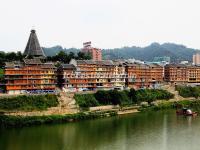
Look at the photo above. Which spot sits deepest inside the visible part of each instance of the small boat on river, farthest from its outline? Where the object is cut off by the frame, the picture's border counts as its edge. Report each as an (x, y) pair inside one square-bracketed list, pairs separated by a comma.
[(186, 112)]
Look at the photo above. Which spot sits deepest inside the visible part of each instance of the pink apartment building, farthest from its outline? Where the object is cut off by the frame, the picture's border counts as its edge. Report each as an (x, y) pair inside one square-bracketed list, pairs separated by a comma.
[(95, 53), (196, 59)]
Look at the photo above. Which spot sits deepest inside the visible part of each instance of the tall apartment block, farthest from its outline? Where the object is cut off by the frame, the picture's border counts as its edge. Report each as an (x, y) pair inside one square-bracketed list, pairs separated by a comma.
[(95, 53), (196, 59)]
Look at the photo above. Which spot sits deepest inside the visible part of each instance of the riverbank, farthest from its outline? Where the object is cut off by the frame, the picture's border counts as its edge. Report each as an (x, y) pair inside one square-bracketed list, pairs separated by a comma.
[(21, 121), (63, 107), (29, 119), (8, 121), (163, 105)]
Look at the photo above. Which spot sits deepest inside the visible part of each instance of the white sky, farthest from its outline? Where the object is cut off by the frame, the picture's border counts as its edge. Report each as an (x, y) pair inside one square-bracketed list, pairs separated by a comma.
[(107, 23)]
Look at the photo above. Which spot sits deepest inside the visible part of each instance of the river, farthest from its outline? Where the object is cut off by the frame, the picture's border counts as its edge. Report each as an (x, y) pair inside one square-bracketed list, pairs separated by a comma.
[(141, 131)]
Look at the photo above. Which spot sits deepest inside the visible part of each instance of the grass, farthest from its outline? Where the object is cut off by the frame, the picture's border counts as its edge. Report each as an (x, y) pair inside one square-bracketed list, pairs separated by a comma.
[(20, 121), (194, 104)]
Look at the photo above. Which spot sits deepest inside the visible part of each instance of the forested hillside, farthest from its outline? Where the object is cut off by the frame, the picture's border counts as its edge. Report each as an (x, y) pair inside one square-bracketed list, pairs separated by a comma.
[(176, 52)]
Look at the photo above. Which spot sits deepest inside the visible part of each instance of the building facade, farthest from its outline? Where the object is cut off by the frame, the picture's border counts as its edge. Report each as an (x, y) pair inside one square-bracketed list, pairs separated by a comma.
[(31, 76), (176, 73), (82, 75), (143, 75), (193, 74)]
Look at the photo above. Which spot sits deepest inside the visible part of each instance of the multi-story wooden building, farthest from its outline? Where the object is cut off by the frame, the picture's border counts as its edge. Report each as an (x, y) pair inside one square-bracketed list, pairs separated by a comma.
[(89, 74), (156, 73), (119, 78), (193, 74), (143, 75), (30, 77), (66, 72), (93, 74), (176, 73)]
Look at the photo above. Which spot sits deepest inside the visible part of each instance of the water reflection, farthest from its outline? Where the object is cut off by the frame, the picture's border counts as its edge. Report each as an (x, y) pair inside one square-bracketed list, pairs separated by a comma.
[(164, 136), (143, 131)]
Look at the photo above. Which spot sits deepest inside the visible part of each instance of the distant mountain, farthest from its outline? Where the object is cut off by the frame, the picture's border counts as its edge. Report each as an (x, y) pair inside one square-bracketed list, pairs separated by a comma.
[(56, 49), (176, 52)]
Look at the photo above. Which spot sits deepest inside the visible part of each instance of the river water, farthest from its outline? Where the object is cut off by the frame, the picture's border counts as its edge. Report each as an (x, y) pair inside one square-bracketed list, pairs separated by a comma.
[(141, 131)]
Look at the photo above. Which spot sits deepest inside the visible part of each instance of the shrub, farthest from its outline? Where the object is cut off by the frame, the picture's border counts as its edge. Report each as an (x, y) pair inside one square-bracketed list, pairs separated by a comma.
[(29, 102), (86, 100), (125, 97), (150, 95), (188, 91), (114, 97), (103, 97), (119, 97)]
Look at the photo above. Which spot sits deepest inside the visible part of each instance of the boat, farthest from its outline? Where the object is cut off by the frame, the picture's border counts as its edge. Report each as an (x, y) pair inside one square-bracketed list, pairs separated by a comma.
[(186, 112)]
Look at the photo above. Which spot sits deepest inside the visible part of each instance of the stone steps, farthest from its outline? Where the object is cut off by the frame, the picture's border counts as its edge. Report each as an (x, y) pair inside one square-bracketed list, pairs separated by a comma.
[(172, 90), (67, 101)]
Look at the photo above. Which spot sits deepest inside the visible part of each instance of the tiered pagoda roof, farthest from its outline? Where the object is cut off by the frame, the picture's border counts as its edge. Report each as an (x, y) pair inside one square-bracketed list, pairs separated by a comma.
[(33, 47)]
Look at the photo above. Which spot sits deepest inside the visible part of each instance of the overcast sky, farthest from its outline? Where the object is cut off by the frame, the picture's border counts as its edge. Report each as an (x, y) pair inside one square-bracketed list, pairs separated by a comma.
[(107, 23)]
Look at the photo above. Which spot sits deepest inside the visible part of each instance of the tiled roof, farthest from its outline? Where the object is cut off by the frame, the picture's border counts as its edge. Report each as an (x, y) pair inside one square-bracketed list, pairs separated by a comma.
[(33, 47), (176, 65), (48, 65), (34, 61), (92, 62), (135, 64), (13, 64), (118, 62), (154, 65), (68, 66)]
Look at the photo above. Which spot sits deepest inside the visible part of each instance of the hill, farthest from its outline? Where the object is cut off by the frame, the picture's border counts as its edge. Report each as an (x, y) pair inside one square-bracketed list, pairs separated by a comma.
[(174, 51), (52, 51)]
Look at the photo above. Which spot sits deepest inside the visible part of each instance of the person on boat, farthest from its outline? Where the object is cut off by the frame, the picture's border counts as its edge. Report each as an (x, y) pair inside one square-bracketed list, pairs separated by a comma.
[(189, 112), (184, 110)]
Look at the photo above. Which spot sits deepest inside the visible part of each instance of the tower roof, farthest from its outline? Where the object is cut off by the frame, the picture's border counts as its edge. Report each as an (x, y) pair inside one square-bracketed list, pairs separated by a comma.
[(33, 46)]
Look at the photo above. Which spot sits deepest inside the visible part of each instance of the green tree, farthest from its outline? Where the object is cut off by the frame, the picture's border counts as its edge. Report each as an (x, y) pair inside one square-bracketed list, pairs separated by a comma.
[(80, 55), (103, 97), (132, 95), (19, 56), (118, 97), (71, 55)]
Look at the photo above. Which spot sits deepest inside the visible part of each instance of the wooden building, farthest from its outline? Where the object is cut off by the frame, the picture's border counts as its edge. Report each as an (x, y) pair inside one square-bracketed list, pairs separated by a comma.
[(30, 77), (91, 75), (176, 73), (143, 75)]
